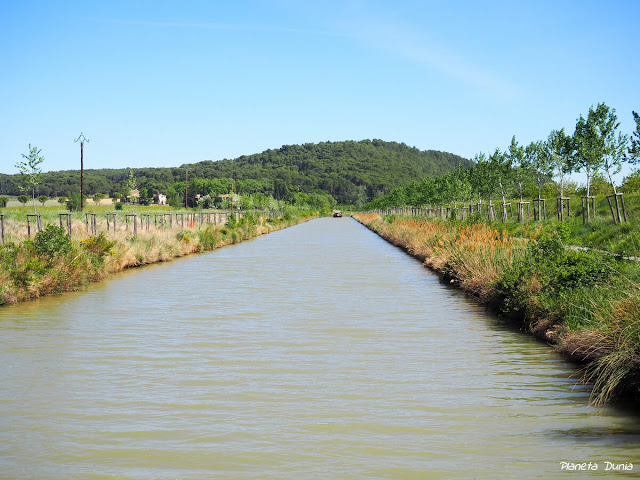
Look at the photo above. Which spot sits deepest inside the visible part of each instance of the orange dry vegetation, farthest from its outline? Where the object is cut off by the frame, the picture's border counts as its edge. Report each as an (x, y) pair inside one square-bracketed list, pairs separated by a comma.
[(470, 254)]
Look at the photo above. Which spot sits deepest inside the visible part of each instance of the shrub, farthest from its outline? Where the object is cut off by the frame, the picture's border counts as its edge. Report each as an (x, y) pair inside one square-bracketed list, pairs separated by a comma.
[(250, 219), (231, 220), (4, 201), (98, 245), (183, 236), (546, 272), (20, 263), (209, 238), (119, 206), (51, 242)]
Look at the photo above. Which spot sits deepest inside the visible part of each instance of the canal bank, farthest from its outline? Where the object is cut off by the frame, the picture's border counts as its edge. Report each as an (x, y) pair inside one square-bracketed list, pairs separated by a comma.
[(580, 303), (53, 263)]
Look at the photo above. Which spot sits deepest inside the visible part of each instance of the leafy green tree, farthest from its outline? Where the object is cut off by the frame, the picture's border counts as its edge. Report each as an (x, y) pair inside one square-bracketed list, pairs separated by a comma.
[(173, 197), (131, 186), (30, 171), (246, 202), (4, 201), (273, 205), (600, 185), (205, 202), (634, 147), (98, 197), (520, 168), (74, 204), (466, 190), (500, 163), (144, 196), (560, 150), (613, 147), (482, 180), (539, 159), (631, 183), (43, 199), (62, 200), (588, 142), (23, 199), (424, 191)]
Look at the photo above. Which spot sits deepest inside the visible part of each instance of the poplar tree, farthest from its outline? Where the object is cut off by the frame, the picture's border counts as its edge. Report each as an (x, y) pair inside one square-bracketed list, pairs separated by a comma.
[(634, 147), (482, 181), (519, 165), (30, 172), (588, 148), (501, 166), (539, 159), (612, 146), (560, 148)]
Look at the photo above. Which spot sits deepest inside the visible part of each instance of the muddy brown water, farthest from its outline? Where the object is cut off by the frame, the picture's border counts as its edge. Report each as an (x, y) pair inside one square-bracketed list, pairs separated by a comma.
[(316, 352)]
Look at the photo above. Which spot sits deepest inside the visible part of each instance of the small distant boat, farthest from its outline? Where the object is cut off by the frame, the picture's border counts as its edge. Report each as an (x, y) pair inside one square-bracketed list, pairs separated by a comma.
[(337, 213)]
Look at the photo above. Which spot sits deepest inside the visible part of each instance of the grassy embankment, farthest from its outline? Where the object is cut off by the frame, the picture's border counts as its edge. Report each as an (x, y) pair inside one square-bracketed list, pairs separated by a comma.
[(584, 302), (52, 262), (601, 233)]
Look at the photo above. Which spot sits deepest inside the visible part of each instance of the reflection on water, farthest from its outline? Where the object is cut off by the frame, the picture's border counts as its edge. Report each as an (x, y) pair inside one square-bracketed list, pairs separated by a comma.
[(315, 352)]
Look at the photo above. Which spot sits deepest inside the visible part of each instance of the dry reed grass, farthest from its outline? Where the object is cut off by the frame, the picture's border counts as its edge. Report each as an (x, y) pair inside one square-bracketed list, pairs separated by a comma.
[(611, 348), (472, 255), (69, 272)]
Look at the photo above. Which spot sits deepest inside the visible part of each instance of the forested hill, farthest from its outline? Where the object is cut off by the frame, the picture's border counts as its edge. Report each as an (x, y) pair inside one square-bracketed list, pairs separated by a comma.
[(341, 169), (352, 172)]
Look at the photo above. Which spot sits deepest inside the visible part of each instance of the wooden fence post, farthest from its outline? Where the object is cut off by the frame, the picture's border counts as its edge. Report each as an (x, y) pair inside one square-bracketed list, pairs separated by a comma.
[(134, 217), (624, 211), (540, 212), (67, 220), (37, 218), (588, 204), (113, 216), (617, 218), (90, 222), (491, 212)]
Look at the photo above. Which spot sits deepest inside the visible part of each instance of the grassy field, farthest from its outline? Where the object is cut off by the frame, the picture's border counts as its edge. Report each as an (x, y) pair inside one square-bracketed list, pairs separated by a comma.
[(586, 303)]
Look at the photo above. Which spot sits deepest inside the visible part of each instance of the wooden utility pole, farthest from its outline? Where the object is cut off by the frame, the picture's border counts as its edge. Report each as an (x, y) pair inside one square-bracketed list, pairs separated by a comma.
[(186, 188), (82, 139)]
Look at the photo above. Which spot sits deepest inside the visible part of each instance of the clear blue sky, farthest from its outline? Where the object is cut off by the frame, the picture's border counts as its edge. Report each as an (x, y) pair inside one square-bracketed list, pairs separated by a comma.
[(162, 83)]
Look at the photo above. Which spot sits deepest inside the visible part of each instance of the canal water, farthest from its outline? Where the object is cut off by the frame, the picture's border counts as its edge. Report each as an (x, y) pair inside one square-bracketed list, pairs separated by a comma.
[(316, 352)]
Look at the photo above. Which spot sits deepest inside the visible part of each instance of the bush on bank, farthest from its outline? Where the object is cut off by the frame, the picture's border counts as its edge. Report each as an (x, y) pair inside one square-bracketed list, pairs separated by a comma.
[(587, 303), (50, 263)]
